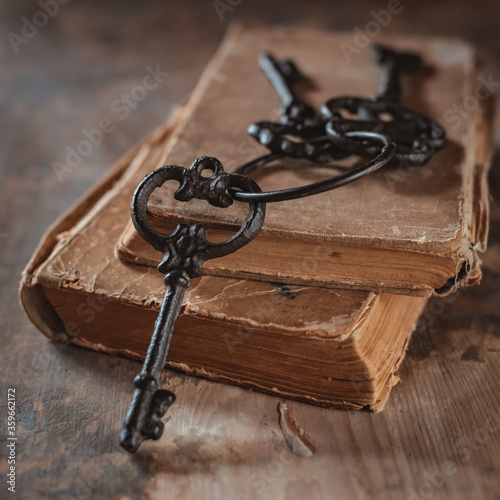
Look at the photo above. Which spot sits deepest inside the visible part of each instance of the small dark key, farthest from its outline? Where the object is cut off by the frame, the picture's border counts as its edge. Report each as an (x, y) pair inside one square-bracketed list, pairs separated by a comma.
[(298, 119), (282, 75), (416, 136), (395, 65), (185, 250)]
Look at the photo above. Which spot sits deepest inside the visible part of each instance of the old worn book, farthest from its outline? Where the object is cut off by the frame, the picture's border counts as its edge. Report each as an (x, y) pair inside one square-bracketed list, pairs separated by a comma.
[(404, 229), (329, 347)]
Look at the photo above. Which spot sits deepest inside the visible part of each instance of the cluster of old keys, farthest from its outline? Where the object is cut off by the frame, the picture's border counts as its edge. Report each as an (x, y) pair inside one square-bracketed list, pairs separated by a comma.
[(380, 130)]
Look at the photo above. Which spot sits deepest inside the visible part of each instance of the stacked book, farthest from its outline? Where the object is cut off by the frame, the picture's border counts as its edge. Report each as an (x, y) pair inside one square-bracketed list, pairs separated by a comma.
[(320, 306)]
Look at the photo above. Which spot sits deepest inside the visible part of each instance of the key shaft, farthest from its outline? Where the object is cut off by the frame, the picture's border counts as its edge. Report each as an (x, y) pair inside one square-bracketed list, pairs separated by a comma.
[(150, 402), (278, 79), (177, 283)]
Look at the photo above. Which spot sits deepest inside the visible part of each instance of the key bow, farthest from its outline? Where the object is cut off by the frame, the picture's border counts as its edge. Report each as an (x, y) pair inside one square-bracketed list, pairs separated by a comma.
[(187, 244)]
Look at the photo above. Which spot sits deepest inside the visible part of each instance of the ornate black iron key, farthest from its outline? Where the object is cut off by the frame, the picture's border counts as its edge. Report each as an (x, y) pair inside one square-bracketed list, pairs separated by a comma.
[(185, 250), (416, 136), (295, 113), (298, 119)]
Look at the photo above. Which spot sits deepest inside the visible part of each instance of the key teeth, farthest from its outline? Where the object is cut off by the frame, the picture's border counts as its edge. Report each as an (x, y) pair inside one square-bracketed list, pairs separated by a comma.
[(131, 438), (147, 425), (152, 427), (162, 401), (290, 71)]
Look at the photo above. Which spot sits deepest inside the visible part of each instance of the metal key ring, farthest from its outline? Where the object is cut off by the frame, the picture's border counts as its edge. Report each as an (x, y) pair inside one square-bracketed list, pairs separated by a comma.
[(385, 155)]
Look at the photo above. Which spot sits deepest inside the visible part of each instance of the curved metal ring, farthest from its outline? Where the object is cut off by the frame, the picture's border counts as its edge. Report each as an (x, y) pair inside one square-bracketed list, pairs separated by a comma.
[(385, 155)]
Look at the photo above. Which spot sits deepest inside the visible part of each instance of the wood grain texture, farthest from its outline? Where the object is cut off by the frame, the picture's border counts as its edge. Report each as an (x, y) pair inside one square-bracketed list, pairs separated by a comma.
[(439, 436)]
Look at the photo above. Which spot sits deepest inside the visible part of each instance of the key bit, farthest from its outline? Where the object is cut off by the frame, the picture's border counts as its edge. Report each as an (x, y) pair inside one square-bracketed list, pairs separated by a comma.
[(395, 64), (298, 119), (184, 250)]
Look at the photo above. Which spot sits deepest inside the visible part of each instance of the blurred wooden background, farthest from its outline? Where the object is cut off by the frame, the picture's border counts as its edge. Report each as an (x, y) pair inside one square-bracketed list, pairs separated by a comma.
[(439, 436)]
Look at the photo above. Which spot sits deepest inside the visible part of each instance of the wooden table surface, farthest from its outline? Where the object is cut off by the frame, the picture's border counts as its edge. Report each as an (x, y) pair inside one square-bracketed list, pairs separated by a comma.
[(439, 436)]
